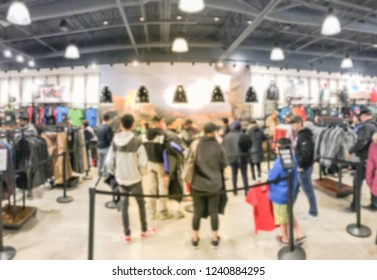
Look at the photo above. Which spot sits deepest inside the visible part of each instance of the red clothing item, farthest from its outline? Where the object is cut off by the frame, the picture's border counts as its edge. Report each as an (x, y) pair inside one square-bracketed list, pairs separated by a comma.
[(41, 113), (373, 96), (263, 212), (302, 113), (371, 174), (30, 113), (278, 134)]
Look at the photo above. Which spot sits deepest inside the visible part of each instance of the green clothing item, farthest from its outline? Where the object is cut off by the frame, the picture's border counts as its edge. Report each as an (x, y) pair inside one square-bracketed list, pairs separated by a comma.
[(76, 116)]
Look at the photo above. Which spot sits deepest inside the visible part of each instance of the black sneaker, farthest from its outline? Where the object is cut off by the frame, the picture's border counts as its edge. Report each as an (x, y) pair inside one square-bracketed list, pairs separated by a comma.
[(215, 243), (370, 207), (195, 244)]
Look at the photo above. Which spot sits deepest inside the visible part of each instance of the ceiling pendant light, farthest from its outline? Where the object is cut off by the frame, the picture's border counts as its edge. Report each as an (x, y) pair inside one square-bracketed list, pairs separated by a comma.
[(142, 95), (31, 63), (346, 62), (72, 52), (191, 6), (331, 25), (20, 59), (8, 53), (277, 53), (18, 14), (180, 95), (180, 45), (217, 95)]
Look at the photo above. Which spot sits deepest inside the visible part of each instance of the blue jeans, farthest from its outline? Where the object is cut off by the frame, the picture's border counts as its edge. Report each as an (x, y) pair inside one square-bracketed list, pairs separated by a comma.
[(243, 166), (305, 180), (102, 153)]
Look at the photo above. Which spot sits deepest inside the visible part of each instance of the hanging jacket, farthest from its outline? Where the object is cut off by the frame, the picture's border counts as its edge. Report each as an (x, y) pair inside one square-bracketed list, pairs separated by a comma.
[(273, 92), (106, 96), (343, 96), (371, 174), (305, 148), (251, 96)]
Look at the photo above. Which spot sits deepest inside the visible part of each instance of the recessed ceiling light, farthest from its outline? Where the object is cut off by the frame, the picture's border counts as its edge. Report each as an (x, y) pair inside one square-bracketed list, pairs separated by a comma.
[(216, 19), (179, 17), (94, 65), (142, 19), (220, 64), (374, 46), (31, 63), (105, 22), (135, 63), (249, 22), (26, 70)]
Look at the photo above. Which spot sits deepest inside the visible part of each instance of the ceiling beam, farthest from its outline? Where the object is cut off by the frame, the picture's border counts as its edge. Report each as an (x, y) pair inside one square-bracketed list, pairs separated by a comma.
[(270, 6), (144, 15), (127, 25)]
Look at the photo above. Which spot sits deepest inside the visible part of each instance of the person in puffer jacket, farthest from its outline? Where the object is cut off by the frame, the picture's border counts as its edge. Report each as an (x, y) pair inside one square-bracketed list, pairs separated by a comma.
[(278, 194), (371, 174), (305, 159), (155, 142), (361, 149), (127, 161)]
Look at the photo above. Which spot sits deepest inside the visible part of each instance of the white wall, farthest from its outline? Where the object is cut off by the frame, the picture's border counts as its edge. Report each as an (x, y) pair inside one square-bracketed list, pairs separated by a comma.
[(82, 85)]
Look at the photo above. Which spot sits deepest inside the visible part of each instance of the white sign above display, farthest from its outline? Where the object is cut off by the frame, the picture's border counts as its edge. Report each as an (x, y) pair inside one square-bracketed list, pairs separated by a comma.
[(3, 160), (51, 94)]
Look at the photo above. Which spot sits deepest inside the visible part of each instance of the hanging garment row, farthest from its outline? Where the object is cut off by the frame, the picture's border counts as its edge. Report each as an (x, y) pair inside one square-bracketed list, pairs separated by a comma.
[(51, 115)]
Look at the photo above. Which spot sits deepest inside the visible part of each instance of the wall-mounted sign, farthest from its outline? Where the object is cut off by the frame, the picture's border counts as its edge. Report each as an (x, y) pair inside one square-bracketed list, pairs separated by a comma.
[(51, 94)]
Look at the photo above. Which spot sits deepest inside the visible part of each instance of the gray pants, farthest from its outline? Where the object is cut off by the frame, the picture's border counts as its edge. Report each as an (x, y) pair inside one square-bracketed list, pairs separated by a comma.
[(137, 190)]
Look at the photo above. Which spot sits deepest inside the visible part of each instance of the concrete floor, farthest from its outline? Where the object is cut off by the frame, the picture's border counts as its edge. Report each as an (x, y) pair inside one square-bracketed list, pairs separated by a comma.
[(60, 231)]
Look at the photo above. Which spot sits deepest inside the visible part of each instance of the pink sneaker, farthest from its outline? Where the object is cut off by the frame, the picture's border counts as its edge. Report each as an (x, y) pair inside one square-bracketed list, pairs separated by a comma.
[(127, 239), (148, 233)]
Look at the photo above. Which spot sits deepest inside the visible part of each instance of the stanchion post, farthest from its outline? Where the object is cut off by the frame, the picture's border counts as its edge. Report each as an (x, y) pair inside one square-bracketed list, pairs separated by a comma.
[(65, 198), (92, 200), (358, 230), (291, 252), (6, 252)]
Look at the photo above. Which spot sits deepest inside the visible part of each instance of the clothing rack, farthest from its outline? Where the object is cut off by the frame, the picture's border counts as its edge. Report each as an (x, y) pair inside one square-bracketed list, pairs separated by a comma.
[(14, 217)]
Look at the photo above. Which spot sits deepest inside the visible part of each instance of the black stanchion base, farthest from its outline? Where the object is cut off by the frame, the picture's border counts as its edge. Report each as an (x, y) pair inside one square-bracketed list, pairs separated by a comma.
[(361, 231), (7, 253), (64, 199), (189, 208), (111, 205), (286, 254)]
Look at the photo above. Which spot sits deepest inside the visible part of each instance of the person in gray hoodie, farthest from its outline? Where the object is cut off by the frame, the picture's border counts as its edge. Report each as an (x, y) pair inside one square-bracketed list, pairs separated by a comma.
[(127, 160)]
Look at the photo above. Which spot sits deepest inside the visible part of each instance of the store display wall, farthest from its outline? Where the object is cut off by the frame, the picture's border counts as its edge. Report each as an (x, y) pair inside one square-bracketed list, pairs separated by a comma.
[(161, 81), (79, 86)]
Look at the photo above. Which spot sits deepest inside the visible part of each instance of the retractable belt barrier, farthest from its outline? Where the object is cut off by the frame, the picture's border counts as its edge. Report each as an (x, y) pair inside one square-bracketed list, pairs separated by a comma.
[(93, 191), (356, 229)]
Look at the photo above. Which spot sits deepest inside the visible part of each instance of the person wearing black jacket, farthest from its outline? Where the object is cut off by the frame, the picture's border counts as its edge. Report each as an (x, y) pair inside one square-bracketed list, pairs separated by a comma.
[(155, 142), (305, 159), (104, 137), (364, 138)]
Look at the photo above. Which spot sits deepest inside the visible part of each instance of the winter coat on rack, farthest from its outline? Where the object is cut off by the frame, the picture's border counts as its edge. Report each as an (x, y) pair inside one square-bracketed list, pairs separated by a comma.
[(273, 92), (257, 137), (371, 174)]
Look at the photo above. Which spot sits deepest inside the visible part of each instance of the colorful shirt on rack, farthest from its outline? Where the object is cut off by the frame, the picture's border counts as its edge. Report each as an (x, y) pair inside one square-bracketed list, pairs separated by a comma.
[(60, 111), (91, 116), (76, 116)]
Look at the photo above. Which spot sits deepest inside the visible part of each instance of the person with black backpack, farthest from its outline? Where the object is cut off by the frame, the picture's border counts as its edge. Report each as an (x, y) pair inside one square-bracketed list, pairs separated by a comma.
[(237, 146), (304, 150)]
